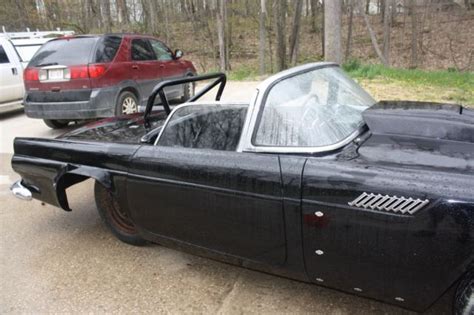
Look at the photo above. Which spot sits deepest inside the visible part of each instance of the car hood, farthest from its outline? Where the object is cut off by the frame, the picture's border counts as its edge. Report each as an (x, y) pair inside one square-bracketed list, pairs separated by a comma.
[(122, 129), (420, 134)]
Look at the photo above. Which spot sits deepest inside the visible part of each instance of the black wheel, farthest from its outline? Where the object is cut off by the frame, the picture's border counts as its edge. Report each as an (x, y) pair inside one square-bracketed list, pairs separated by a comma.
[(115, 218), (127, 103), (464, 298), (188, 91), (56, 124)]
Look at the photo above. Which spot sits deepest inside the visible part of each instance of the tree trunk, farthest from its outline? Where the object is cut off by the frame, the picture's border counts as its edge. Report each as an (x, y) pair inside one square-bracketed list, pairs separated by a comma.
[(349, 31), (280, 26), (414, 35), (165, 9), (295, 32), (332, 30), (123, 12), (373, 38), (314, 28), (261, 55), (323, 21), (387, 17), (106, 16), (221, 34), (227, 36)]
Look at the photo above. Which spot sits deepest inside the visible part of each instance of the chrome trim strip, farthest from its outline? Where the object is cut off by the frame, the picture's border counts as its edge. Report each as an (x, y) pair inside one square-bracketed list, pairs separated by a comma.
[(21, 191)]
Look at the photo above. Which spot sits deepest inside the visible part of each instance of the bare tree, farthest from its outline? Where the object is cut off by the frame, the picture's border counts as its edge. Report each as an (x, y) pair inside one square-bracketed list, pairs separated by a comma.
[(280, 7), (332, 30), (221, 34), (373, 39), (106, 16), (122, 10), (261, 55), (295, 32), (414, 35), (349, 30), (387, 20)]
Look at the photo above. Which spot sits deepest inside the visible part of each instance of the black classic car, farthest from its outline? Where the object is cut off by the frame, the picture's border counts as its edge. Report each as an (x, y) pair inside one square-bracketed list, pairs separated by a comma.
[(313, 180)]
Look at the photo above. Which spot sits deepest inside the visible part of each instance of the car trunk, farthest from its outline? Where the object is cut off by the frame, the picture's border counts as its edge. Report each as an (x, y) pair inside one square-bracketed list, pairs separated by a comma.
[(420, 134), (61, 71)]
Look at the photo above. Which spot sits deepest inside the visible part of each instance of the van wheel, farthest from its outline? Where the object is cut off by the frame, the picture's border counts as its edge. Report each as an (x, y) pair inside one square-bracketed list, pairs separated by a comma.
[(464, 298), (115, 218), (127, 104), (56, 124)]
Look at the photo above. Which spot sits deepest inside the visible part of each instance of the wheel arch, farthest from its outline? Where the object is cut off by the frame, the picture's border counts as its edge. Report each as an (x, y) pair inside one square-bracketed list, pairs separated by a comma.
[(128, 86), (76, 176)]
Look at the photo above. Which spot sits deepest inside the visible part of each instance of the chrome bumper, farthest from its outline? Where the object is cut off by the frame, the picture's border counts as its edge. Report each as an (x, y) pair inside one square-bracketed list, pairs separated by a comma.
[(20, 191)]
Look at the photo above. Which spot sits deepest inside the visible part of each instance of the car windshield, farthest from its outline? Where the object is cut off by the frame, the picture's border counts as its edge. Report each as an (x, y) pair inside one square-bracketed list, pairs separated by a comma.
[(316, 108)]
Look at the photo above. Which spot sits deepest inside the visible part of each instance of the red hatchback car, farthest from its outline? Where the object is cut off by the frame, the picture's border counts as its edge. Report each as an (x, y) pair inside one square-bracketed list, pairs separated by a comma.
[(93, 76)]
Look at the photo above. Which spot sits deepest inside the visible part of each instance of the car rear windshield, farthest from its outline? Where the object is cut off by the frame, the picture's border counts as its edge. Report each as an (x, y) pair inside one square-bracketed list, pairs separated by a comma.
[(68, 52)]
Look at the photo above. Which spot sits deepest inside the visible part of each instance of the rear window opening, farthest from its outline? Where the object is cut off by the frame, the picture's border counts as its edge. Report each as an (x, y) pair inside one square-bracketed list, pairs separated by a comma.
[(67, 52)]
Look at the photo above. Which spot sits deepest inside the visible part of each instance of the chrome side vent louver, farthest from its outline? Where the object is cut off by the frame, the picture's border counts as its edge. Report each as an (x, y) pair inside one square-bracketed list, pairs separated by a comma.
[(394, 204)]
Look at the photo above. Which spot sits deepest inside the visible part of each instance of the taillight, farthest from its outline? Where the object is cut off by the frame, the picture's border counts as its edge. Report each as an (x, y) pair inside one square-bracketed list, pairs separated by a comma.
[(30, 74), (84, 72), (96, 71), (78, 72)]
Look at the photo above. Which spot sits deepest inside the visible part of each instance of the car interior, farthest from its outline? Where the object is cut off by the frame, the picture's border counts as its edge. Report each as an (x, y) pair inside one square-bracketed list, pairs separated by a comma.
[(205, 126)]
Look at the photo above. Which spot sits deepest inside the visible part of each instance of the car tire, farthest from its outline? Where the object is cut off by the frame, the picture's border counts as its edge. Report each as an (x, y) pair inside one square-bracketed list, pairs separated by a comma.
[(189, 89), (56, 124), (464, 298), (113, 217), (127, 103)]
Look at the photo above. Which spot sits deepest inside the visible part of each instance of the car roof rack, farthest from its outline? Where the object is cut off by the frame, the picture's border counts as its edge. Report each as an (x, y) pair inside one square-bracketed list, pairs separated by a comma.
[(35, 34)]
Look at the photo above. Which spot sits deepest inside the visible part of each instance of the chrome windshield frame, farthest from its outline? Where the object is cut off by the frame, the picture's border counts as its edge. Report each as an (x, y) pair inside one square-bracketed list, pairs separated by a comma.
[(256, 107)]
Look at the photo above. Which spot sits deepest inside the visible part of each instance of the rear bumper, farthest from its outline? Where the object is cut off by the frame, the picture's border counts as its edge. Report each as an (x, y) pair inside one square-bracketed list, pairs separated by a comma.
[(101, 103), (20, 191)]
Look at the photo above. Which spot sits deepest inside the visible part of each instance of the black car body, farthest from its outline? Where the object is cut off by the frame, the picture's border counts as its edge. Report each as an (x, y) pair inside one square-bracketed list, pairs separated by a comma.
[(311, 181)]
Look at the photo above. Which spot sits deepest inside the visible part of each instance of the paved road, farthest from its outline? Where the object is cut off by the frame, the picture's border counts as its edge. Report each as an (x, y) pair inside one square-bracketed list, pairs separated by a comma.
[(54, 261)]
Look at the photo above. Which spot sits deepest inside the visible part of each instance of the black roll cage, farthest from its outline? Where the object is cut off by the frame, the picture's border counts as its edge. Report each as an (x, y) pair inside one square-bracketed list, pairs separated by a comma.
[(159, 90)]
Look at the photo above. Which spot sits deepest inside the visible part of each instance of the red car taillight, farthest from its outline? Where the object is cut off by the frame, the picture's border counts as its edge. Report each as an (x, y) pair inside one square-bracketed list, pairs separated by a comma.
[(78, 72), (30, 74), (84, 72), (96, 70)]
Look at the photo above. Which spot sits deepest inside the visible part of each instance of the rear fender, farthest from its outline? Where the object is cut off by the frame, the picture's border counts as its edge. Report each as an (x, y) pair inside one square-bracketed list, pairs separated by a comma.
[(76, 175)]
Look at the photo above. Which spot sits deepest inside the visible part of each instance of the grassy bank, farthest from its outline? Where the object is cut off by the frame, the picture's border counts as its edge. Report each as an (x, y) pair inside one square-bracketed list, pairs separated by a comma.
[(394, 83), (397, 84)]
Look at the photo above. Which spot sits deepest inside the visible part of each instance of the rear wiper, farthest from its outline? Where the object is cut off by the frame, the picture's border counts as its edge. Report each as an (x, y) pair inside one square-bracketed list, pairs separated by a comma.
[(47, 64)]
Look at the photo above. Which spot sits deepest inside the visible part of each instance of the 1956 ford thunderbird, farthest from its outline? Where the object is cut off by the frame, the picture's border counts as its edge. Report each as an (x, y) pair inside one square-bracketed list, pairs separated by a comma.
[(313, 180)]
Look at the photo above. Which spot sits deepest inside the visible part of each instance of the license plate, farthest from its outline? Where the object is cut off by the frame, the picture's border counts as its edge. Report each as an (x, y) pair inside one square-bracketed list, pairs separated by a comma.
[(56, 74)]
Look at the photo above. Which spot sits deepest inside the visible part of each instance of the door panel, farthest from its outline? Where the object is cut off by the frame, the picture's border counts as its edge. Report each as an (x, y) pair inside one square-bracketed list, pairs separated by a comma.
[(388, 256), (169, 67), (144, 66), (226, 201)]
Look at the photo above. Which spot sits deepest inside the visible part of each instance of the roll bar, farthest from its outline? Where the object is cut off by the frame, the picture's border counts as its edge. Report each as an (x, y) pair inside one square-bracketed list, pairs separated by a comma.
[(159, 90)]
